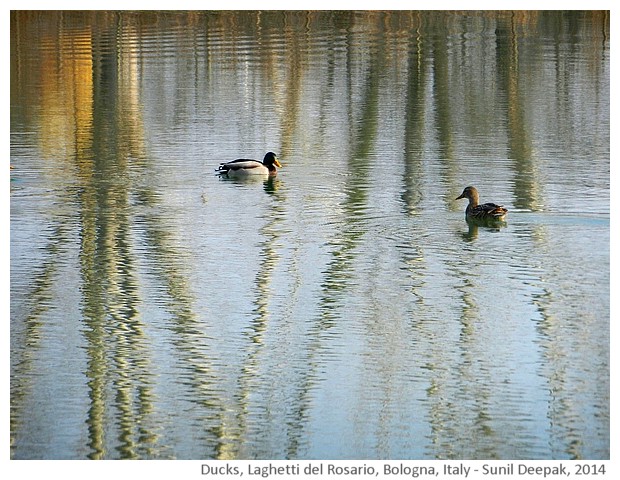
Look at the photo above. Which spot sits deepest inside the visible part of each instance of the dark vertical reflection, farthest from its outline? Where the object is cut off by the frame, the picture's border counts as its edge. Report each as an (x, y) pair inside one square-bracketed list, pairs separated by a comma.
[(71, 131), (118, 365), (256, 420), (294, 61), (566, 340), (186, 332), (415, 119), (443, 95), (89, 89), (363, 130), (40, 301), (527, 187), (475, 386)]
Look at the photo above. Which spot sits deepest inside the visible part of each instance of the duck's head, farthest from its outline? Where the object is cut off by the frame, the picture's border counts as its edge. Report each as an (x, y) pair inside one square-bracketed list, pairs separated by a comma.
[(469, 192), (271, 160)]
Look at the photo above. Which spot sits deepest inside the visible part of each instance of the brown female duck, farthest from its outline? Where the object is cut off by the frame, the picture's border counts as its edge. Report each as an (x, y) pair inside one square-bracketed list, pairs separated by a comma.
[(486, 211)]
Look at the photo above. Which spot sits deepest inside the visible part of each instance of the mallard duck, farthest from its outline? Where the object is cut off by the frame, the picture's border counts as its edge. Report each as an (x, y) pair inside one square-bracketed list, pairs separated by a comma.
[(243, 167), (486, 211)]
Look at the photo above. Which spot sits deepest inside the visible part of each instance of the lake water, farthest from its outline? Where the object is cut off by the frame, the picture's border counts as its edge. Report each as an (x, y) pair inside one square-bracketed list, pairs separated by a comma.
[(343, 309)]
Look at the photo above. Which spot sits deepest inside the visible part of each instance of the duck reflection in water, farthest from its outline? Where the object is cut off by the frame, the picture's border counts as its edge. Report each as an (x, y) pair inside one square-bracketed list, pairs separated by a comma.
[(474, 226), (271, 183)]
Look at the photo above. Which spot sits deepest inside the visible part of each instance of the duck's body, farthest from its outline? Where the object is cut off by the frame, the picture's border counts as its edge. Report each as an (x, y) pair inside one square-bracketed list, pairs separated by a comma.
[(243, 167), (485, 211)]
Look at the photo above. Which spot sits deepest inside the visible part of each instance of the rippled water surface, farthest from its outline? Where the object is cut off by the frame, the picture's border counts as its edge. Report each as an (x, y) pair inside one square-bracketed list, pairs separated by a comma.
[(344, 308)]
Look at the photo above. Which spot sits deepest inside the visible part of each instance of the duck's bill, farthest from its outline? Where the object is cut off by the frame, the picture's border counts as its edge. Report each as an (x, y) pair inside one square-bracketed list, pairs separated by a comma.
[(278, 164)]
